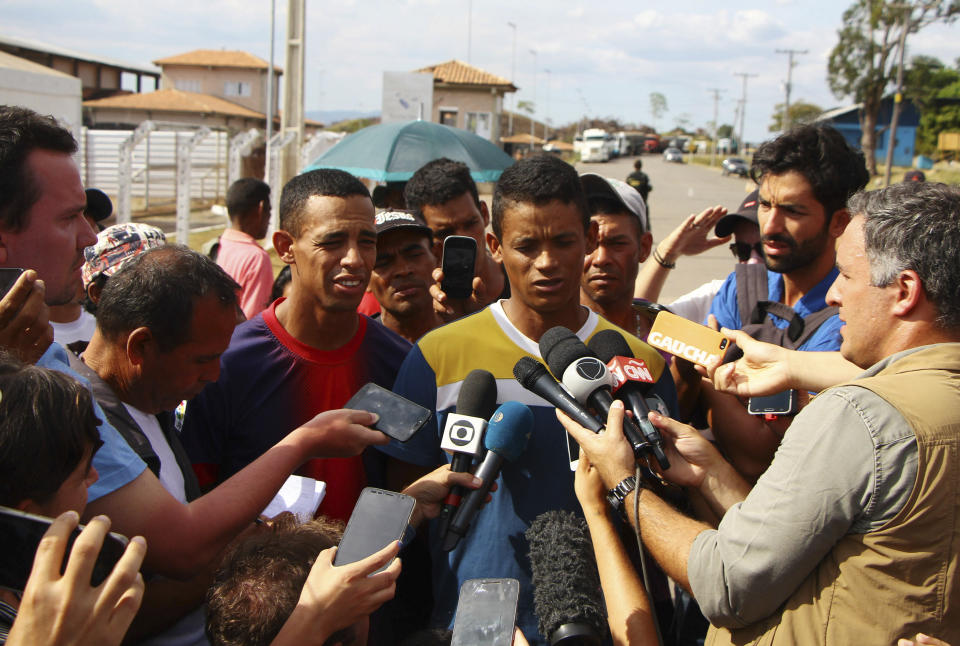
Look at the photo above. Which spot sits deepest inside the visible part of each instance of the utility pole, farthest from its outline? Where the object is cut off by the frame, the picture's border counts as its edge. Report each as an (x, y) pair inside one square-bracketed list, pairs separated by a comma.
[(270, 96), (785, 125), (534, 52), (546, 110), (897, 97), (742, 108), (716, 102), (469, 28), (291, 120), (513, 77)]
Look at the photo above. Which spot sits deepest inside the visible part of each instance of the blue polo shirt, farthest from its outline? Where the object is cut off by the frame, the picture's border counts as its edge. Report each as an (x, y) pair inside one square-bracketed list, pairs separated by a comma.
[(825, 339)]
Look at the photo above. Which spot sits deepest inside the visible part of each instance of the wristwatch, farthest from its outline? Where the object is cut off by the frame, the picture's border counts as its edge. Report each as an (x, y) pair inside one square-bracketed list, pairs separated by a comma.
[(617, 495)]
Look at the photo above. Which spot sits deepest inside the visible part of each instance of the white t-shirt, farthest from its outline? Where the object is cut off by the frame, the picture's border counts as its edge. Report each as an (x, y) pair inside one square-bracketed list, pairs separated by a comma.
[(695, 305), (79, 330), (171, 478)]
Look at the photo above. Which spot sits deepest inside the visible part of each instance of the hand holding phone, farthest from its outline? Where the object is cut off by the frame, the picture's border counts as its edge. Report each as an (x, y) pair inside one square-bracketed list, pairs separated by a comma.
[(336, 597), (24, 317), (64, 607), (379, 518)]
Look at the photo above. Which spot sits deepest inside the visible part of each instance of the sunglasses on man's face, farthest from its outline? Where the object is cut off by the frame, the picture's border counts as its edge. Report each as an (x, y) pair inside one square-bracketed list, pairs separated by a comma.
[(743, 250)]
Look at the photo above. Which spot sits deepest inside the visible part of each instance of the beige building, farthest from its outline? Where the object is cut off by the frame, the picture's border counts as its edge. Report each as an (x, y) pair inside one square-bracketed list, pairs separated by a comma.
[(467, 97), (238, 77), (175, 106)]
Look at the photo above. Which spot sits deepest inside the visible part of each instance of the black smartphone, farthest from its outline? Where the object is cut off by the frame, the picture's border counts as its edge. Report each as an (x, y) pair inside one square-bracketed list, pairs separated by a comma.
[(459, 259), (486, 612), (400, 418), (782, 403), (8, 277), (20, 534), (379, 518)]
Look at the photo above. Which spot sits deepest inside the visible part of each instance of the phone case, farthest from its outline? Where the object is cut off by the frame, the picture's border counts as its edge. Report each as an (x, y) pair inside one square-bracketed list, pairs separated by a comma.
[(486, 612), (686, 339), (399, 419)]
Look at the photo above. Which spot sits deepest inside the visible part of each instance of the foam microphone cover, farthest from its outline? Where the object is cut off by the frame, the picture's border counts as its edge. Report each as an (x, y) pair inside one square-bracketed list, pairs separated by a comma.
[(566, 584), (560, 347), (608, 344), (478, 395)]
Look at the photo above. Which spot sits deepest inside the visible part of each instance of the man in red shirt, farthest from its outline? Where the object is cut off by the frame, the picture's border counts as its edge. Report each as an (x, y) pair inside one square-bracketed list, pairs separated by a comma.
[(248, 204)]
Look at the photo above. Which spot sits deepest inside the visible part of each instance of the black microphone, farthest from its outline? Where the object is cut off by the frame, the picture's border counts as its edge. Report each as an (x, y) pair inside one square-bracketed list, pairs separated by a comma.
[(506, 438), (634, 380), (535, 377), (463, 433), (566, 583), (586, 377)]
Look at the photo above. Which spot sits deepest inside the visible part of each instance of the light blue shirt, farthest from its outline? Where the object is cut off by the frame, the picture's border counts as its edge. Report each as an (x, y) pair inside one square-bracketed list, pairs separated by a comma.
[(115, 461)]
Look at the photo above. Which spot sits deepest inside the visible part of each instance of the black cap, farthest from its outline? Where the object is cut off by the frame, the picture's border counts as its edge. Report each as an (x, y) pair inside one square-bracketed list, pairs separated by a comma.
[(99, 207), (396, 219), (747, 211)]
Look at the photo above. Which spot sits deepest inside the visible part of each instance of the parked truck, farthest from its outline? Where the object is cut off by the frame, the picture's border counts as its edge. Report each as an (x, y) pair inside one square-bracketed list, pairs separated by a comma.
[(597, 145)]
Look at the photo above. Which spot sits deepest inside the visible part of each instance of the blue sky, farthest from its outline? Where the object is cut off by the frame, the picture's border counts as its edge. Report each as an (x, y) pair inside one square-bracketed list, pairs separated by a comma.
[(612, 53)]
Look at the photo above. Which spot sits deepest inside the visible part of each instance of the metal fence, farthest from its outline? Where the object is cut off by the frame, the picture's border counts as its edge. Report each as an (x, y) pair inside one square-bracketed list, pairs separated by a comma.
[(154, 164)]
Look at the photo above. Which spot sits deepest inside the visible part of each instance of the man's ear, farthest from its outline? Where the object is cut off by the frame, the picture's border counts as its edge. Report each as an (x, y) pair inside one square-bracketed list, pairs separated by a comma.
[(593, 234), (646, 244), (484, 213), (910, 293), (494, 246), (140, 345), (839, 222), (283, 243)]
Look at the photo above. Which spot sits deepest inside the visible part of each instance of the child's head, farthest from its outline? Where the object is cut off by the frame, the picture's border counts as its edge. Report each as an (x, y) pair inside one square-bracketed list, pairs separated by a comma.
[(48, 435)]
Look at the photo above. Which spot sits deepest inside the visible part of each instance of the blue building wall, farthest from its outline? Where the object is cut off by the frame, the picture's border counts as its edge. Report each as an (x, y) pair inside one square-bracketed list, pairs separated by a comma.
[(848, 123)]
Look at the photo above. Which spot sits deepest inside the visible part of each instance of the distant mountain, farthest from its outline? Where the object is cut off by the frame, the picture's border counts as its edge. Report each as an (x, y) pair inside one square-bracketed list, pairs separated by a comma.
[(333, 116)]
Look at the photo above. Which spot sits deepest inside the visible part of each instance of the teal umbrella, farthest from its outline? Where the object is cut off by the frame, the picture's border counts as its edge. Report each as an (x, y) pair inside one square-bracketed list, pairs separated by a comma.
[(392, 152)]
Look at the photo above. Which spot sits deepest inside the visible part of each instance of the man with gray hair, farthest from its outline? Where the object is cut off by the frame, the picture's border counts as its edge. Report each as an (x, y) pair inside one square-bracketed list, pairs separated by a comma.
[(851, 535)]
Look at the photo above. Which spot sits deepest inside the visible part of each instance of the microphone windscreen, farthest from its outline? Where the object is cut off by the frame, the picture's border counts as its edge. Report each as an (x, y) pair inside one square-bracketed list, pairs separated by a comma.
[(607, 344), (560, 347), (508, 430), (478, 395), (527, 370), (566, 583)]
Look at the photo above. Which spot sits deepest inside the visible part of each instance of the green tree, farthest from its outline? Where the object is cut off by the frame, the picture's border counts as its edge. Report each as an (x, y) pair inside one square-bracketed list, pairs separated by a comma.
[(725, 131), (926, 81), (658, 106), (862, 64), (800, 112)]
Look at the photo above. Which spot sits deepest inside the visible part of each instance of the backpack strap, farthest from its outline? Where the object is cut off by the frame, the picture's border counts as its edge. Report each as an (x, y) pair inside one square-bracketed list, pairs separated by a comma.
[(751, 289)]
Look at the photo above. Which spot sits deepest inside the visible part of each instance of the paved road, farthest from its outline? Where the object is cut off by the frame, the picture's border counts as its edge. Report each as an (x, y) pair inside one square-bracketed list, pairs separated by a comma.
[(678, 191)]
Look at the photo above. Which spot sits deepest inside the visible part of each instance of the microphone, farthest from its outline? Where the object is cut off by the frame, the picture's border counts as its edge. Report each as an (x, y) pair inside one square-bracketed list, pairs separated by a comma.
[(633, 381), (506, 438), (587, 378), (534, 376), (463, 433), (566, 583)]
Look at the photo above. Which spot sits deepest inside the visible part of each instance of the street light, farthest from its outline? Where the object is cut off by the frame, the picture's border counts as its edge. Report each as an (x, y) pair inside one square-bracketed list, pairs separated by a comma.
[(513, 76), (534, 111)]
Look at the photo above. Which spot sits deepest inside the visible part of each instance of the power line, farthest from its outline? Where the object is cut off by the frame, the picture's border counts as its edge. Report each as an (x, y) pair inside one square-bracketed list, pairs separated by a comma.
[(742, 107)]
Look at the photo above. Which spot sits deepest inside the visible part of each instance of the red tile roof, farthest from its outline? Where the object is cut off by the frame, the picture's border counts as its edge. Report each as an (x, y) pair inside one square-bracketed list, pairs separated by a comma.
[(171, 100), (217, 58), (459, 73)]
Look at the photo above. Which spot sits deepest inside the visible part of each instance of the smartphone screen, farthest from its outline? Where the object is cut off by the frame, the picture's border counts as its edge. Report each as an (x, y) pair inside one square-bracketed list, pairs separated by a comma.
[(400, 418), (379, 518), (8, 277), (782, 403), (486, 612), (459, 259), (20, 533)]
